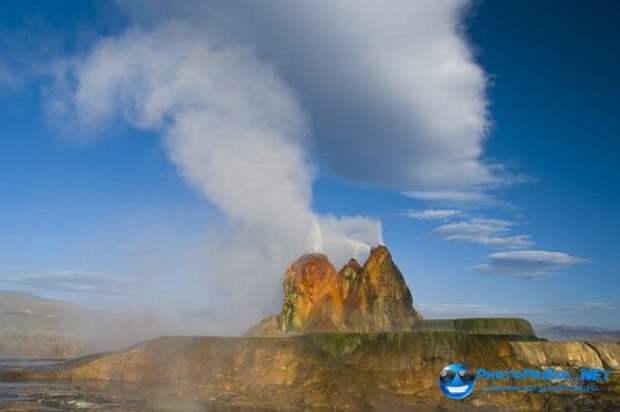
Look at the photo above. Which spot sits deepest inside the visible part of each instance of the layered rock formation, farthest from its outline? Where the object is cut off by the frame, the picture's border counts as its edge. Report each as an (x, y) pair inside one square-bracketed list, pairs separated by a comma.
[(371, 298)]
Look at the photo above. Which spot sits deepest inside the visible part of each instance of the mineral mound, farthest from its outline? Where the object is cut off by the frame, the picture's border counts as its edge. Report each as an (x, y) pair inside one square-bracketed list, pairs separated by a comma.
[(317, 298), (386, 371)]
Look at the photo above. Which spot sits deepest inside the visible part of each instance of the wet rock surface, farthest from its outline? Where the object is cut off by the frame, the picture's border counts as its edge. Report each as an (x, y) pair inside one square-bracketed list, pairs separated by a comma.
[(313, 296), (378, 298), (317, 298), (349, 371)]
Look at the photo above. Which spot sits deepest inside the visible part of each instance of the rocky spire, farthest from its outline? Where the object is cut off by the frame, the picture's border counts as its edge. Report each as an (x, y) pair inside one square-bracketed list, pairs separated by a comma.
[(358, 299), (379, 299)]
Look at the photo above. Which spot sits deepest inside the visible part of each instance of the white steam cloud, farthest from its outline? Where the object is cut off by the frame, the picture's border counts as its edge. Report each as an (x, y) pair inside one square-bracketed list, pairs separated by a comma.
[(393, 91), (235, 132)]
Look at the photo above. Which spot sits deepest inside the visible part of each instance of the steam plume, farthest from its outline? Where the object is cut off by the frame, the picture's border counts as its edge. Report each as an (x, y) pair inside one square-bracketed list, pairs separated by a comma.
[(236, 133)]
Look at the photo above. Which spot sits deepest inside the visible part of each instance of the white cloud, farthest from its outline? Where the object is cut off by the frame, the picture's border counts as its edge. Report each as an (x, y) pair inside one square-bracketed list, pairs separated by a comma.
[(432, 214), (452, 196), (392, 89), (488, 232), (80, 281), (527, 263)]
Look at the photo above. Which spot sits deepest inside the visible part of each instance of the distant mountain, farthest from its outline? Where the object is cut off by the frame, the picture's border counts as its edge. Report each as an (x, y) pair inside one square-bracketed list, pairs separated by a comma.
[(583, 333), (35, 327), (24, 311)]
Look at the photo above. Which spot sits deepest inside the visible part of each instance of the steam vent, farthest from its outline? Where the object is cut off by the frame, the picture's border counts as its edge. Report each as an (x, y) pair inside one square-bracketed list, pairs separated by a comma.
[(317, 298)]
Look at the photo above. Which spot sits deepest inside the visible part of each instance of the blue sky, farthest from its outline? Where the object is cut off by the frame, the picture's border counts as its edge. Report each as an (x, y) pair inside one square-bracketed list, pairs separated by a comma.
[(113, 215)]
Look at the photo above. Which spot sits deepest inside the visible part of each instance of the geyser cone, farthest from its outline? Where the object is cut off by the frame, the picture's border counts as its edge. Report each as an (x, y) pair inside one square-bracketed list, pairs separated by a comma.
[(371, 298)]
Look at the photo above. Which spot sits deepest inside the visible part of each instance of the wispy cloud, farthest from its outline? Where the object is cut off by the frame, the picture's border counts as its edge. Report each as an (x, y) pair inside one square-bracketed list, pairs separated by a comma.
[(598, 306), (452, 196), (488, 232), (74, 281), (432, 214), (527, 263)]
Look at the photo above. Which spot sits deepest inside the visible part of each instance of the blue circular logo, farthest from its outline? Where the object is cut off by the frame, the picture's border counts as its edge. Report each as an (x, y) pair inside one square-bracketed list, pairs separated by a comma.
[(456, 381)]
